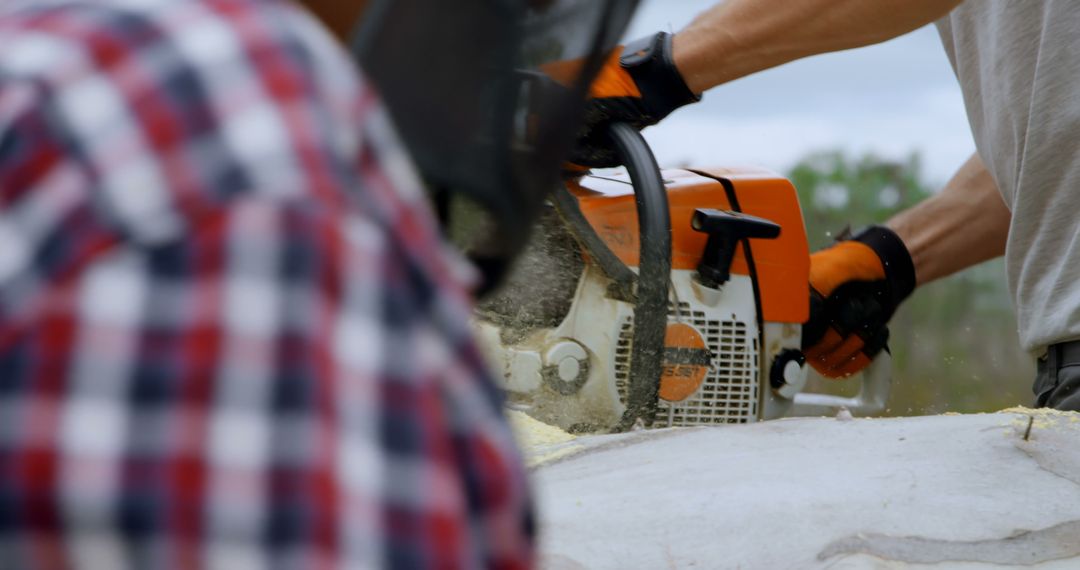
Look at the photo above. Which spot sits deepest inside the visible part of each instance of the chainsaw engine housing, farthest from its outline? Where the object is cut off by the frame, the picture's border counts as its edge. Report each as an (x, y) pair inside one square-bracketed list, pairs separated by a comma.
[(561, 332)]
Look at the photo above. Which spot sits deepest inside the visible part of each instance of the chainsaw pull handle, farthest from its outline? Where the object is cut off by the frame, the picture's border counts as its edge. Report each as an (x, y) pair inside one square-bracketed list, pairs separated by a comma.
[(725, 230)]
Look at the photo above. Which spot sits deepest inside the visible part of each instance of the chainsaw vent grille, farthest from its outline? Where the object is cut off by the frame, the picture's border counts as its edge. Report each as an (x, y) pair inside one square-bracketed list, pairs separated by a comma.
[(729, 393)]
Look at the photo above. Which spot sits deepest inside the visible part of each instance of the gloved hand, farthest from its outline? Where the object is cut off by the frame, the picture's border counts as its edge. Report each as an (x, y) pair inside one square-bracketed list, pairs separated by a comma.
[(856, 286), (638, 85)]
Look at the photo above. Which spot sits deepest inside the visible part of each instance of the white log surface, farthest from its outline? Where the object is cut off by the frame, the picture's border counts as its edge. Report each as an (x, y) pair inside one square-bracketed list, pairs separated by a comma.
[(932, 492)]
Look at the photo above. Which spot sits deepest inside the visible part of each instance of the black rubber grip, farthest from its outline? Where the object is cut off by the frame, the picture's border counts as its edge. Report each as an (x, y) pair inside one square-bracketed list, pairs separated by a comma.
[(899, 268), (650, 62)]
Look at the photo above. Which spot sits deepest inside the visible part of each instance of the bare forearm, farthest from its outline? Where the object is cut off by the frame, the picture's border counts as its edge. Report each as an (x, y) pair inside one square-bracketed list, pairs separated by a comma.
[(739, 37), (965, 224)]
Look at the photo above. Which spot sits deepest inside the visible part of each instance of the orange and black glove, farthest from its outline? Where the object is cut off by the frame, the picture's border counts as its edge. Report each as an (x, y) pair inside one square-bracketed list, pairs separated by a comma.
[(856, 286), (638, 85)]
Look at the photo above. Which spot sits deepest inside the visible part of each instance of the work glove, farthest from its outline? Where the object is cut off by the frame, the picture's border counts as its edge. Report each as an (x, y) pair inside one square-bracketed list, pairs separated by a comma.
[(855, 287), (638, 85)]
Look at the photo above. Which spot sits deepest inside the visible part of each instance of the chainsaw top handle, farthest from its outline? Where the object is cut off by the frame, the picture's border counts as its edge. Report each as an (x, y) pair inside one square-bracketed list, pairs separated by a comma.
[(648, 289), (654, 274)]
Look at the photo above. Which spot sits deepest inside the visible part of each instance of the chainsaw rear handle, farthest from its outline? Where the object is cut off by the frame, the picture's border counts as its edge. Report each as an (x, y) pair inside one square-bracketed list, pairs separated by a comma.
[(871, 399), (654, 273)]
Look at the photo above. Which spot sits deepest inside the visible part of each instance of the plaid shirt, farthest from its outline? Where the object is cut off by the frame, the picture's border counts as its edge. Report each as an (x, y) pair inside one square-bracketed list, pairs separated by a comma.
[(229, 335)]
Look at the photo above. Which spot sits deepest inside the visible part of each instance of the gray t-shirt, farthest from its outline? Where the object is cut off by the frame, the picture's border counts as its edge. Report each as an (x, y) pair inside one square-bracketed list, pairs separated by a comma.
[(1019, 68)]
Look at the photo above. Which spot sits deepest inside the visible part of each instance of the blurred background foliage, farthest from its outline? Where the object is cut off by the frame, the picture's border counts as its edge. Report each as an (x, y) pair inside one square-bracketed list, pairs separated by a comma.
[(954, 342)]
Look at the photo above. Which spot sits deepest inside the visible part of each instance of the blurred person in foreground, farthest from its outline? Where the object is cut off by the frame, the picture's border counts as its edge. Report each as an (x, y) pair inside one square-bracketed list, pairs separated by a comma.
[(1018, 196), (230, 336)]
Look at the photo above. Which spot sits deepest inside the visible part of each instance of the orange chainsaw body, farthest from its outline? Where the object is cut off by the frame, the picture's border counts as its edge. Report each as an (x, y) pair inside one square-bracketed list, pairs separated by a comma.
[(783, 264)]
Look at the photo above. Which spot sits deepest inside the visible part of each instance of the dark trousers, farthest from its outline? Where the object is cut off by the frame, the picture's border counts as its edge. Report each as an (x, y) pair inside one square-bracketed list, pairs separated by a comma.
[(1057, 383)]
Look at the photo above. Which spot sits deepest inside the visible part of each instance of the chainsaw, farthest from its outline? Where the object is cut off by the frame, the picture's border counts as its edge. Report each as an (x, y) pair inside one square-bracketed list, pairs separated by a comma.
[(663, 298)]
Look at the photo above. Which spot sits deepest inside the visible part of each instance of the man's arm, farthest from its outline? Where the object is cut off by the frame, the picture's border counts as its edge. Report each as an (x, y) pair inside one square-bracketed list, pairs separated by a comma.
[(965, 224), (740, 37)]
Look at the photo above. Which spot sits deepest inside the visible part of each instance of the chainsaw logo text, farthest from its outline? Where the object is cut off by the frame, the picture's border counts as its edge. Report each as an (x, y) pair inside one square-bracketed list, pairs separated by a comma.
[(686, 362)]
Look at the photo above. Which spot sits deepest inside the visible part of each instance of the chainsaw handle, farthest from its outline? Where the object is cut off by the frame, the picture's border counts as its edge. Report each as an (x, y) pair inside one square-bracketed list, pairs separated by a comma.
[(654, 273), (648, 289), (871, 399)]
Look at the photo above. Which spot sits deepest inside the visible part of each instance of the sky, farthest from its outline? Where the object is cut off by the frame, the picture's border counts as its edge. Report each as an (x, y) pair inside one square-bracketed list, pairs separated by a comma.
[(890, 99)]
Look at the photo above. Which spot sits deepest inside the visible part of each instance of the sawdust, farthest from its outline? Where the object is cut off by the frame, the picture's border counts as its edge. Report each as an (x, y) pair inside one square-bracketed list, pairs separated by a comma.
[(540, 442), (539, 291), (1041, 419), (531, 432), (1042, 412)]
